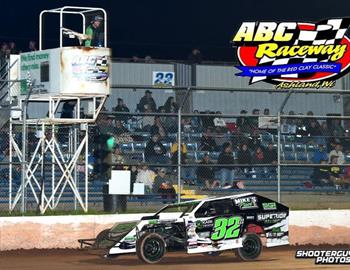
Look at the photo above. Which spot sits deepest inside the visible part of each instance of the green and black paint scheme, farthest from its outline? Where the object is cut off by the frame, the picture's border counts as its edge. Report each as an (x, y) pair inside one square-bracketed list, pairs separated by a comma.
[(208, 226)]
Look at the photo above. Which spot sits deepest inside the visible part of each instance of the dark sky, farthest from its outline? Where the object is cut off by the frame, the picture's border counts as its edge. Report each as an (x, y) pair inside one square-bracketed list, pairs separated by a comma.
[(167, 29)]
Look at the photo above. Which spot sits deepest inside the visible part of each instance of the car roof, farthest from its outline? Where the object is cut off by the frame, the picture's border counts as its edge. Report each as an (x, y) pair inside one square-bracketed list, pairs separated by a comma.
[(228, 197), (218, 198)]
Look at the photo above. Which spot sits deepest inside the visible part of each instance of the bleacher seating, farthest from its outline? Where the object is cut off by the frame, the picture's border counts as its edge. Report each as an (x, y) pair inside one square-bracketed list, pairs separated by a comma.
[(293, 150)]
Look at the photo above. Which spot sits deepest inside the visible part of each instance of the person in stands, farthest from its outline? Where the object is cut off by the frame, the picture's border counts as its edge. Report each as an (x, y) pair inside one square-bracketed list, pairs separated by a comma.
[(227, 173), (163, 185), (147, 103), (206, 174), (155, 151)]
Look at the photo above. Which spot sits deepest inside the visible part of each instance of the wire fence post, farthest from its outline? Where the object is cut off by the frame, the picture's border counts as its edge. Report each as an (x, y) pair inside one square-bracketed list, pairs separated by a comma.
[(24, 141), (279, 156), (179, 155)]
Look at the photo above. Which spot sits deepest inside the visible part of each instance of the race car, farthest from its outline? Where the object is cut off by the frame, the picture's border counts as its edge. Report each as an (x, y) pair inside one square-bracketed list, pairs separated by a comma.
[(212, 225)]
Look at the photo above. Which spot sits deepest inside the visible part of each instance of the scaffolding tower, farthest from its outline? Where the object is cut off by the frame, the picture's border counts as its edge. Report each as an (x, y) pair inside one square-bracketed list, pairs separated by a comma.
[(52, 160)]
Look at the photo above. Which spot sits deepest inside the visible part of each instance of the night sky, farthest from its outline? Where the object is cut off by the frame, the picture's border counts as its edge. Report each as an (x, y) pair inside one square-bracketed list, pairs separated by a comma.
[(166, 29)]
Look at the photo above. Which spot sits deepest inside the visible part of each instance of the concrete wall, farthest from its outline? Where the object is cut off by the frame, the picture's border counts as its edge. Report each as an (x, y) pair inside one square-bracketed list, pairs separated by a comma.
[(306, 227), (208, 76), (234, 102)]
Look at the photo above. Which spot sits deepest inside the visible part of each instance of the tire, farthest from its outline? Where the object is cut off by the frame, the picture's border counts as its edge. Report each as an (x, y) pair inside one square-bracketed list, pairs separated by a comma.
[(251, 249), (150, 248)]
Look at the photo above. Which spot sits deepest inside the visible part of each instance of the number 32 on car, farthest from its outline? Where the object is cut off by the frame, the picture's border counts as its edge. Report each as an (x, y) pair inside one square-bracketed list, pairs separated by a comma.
[(226, 228)]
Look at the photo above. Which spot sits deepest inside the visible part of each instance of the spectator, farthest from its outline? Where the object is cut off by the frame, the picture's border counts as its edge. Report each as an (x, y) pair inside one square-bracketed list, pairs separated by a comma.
[(155, 151), (3, 49), (313, 130), (291, 121), (163, 185), (309, 120), (158, 128), (335, 170), (221, 137), (117, 160), (346, 178), (300, 128), (119, 128), (244, 157), (147, 102), (2, 57), (7, 54), (13, 49), (170, 105), (147, 121), (185, 125), (258, 157), (121, 107), (243, 122), (325, 131), (338, 131), (105, 125), (93, 33), (267, 111), (68, 109), (206, 174), (208, 121), (319, 155), (254, 141), (195, 57), (321, 175), (326, 134), (174, 153), (133, 177), (226, 158), (340, 181), (337, 152), (148, 59), (270, 155), (135, 59), (163, 117), (196, 121), (207, 142), (145, 176), (32, 46)]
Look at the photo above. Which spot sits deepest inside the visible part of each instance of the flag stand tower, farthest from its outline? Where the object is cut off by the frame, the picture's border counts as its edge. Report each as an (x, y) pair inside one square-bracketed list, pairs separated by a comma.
[(54, 161)]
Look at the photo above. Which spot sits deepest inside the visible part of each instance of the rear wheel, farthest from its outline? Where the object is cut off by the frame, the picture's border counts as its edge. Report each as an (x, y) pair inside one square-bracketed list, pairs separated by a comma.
[(251, 249), (150, 247)]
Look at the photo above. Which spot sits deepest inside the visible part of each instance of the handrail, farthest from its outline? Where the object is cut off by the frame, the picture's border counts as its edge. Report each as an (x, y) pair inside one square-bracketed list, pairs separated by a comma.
[(6, 82)]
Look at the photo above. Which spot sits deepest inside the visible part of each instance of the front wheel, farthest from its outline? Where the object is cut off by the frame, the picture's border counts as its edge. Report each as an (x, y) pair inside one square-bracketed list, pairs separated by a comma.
[(251, 249), (150, 247)]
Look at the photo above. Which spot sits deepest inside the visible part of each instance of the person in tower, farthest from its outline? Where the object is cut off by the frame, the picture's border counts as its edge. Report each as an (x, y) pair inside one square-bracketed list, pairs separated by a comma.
[(93, 33)]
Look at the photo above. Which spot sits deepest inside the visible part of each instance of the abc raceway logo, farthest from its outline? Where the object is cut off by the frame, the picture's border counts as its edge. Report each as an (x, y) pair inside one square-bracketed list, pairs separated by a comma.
[(294, 54)]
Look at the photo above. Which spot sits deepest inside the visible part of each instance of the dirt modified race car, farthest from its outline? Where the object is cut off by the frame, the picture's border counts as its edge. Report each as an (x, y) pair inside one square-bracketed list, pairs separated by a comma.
[(211, 225)]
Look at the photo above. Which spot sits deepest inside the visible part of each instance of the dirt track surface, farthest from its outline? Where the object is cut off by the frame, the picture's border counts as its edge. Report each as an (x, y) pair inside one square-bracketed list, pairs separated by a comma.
[(273, 258)]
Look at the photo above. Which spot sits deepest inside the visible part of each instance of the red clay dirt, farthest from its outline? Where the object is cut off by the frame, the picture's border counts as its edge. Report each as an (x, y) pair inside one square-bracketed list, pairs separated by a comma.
[(271, 259)]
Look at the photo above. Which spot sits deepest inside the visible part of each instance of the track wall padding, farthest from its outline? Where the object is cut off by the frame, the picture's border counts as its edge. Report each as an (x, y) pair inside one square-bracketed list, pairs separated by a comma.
[(305, 227)]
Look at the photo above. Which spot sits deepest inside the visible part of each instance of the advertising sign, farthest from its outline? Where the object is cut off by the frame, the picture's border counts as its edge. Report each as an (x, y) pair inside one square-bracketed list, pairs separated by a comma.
[(294, 54), (67, 70)]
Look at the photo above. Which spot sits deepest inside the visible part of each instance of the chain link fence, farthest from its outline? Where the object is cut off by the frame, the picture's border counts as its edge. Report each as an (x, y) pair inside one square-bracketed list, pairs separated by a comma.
[(180, 150)]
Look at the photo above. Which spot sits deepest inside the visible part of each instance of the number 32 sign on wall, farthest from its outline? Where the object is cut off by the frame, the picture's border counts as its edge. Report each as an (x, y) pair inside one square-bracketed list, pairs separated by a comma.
[(163, 78)]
